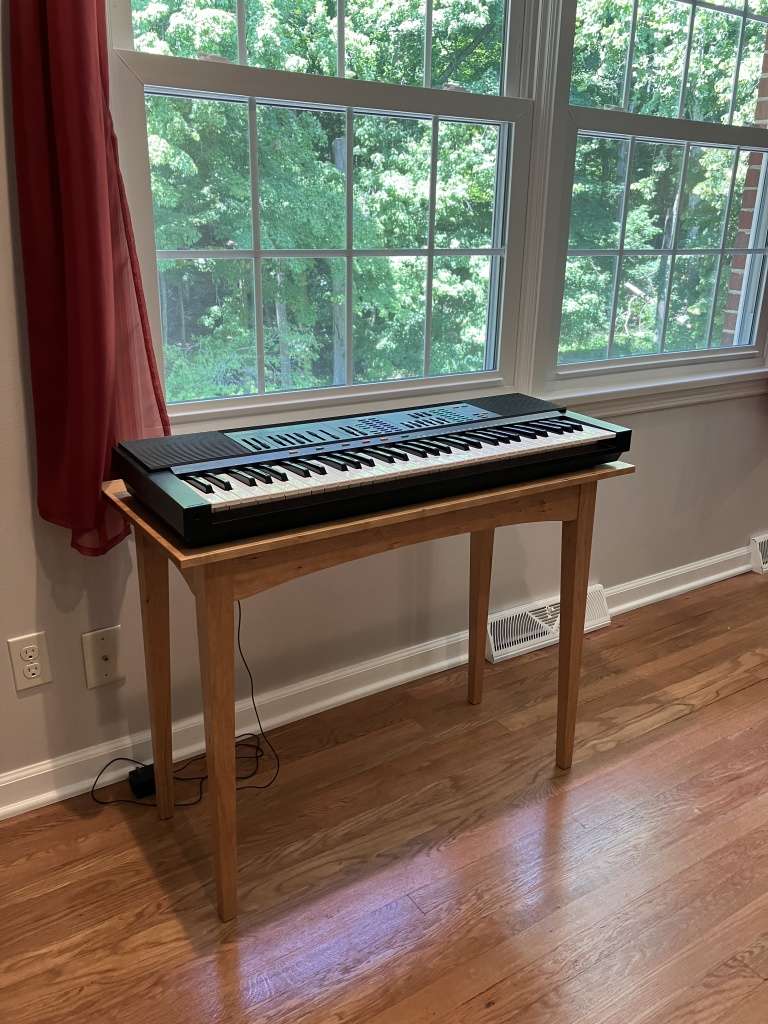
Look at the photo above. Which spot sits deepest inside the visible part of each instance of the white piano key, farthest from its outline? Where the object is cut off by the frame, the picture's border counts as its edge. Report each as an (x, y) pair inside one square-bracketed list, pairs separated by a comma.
[(243, 495)]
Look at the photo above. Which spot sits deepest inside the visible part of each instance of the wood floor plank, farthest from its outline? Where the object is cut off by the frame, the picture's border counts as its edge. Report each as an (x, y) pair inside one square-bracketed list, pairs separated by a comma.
[(421, 861)]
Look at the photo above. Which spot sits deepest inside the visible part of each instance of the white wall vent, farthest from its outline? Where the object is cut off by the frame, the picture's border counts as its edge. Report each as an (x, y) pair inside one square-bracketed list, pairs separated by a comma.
[(758, 553), (531, 626)]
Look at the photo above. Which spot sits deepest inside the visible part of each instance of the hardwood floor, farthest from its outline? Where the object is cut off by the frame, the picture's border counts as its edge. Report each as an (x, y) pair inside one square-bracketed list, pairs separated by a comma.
[(421, 860)]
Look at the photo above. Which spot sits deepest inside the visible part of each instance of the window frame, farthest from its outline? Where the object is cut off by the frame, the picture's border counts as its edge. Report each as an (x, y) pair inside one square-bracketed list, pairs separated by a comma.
[(132, 72), (619, 383)]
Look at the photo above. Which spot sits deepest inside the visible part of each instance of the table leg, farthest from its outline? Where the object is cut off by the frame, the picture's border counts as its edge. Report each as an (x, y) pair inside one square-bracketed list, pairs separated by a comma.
[(152, 566), (215, 634), (574, 579), (480, 564)]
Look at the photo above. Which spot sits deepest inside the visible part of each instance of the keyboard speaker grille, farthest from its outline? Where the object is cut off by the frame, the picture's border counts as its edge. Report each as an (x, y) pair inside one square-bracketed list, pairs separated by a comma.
[(163, 452)]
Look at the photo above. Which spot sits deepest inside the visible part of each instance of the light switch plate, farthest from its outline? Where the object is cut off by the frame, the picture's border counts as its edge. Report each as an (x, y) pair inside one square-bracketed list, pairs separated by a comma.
[(101, 657), (29, 658)]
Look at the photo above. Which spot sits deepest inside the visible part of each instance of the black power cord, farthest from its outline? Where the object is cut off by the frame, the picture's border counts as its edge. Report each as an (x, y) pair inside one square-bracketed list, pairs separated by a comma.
[(242, 742)]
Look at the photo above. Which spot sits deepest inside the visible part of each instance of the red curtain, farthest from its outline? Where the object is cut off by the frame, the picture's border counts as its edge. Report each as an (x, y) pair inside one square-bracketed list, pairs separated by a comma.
[(94, 376)]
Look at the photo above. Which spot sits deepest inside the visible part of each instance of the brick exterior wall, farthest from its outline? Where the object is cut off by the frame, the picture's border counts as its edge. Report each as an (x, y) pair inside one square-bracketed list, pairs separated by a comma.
[(746, 204)]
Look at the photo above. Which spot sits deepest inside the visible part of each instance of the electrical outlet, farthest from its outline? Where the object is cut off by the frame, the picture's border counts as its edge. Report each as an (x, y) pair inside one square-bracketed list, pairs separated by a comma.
[(101, 656), (29, 659)]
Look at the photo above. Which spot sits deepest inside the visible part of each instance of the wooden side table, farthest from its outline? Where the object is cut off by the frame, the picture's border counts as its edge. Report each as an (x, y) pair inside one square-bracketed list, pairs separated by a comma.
[(221, 574)]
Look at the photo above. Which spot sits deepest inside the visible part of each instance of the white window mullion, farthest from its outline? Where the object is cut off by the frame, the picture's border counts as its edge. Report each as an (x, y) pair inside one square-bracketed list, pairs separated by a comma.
[(687, 63), (242, 42), (431, 246), (428, 44), (721, 255), (675, 237), (627, 89), (350, 277), (341, 39), (620, 251), (737, 70), (258, 280)]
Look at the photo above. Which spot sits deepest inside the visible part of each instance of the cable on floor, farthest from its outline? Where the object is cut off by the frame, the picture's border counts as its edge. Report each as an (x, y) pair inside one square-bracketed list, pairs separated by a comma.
[(245, 741)]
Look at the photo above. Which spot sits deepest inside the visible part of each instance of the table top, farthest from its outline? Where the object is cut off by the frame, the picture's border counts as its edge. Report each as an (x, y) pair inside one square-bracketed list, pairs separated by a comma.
[(190, 558)]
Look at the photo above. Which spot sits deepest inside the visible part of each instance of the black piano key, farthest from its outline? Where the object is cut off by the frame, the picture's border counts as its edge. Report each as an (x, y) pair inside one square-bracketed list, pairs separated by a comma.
[(313, 467), (456, 442), (376, 453), (201, 485), (440, 444), (363, 457), (332, 461), (551, 428), (351, 461), (276, 472), (466, 438), (498, 434), (574, 423), (410, 448), (389, 450), (564, 424), (485, 438), (510, 434), (295, 469), (521, 431), (217, 481), (244, 478), (259, 474)]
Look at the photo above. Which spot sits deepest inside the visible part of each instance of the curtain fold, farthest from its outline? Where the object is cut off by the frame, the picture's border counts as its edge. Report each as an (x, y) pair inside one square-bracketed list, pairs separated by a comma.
[(94, 375)]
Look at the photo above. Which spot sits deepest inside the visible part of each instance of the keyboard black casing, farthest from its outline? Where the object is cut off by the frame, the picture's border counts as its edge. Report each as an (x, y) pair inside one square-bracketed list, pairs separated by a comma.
[(192, 518)]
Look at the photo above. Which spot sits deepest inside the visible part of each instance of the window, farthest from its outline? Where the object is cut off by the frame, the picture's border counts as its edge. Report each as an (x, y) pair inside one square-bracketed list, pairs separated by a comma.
[(356, 200), (312, 231), (668, 232)]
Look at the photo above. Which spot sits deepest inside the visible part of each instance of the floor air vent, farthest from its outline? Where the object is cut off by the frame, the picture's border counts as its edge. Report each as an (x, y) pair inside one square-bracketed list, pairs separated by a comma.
[(531, 626), (758, 552)]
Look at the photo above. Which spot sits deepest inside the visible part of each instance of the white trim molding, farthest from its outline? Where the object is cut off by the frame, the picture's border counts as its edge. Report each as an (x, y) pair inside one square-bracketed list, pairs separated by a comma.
[(47, 782)]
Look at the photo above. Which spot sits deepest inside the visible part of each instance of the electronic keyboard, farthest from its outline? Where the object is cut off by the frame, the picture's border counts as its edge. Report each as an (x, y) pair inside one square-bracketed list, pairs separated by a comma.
[(225, 485)]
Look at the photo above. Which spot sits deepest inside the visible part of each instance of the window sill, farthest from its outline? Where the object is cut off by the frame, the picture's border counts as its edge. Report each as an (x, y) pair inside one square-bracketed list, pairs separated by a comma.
[(230, 413), (607, 401)]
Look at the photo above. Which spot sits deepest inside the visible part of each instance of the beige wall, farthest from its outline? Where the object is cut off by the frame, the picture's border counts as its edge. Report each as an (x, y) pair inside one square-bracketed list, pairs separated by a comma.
[(701, 489)]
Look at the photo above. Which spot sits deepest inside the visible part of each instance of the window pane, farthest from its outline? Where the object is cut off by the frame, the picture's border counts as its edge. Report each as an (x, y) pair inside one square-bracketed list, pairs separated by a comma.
[(467, 44), (385, 41), (738, 297), (388, 317), (705, 194), (301, 178), (186, 28), (586, 321), (292, 35), (391, 181), (600, 52), (659, 57), (690, 302), (598, 191), (712, 64), (466, 184), (461, 291), (640, 305), (742, 231), (207, 309), (304, 323), (752, 91), (654, 182), (201, 187)]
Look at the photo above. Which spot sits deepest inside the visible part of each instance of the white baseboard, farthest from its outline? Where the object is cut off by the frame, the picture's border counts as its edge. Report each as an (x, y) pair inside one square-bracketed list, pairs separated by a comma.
[(625, 596), (46, 782)]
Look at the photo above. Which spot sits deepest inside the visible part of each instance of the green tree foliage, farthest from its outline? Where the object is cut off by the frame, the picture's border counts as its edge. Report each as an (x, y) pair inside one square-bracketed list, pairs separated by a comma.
[(201, 180), (650, 289)]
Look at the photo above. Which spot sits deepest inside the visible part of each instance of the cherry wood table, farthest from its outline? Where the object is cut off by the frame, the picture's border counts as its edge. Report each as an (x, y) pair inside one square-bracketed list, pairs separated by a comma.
[(220, 574)]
